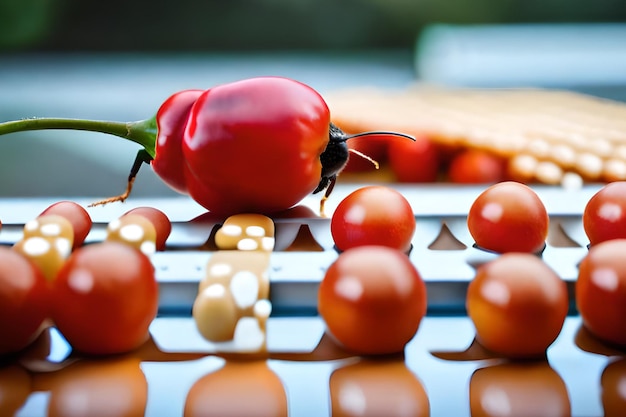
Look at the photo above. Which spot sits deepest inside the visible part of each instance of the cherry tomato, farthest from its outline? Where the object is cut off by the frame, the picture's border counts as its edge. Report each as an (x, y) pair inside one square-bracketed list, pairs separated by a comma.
[(508, 217), (604, 216), (159, 220), (518, 305), (373, 215), (104, 298), (24, 301), (601, 291), (77, 216), (374, 147), (417, 161), (473, 166), (372, 300)]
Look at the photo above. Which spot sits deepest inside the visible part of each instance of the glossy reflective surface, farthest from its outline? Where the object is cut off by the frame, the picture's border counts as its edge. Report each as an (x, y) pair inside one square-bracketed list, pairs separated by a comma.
[(442, 373)]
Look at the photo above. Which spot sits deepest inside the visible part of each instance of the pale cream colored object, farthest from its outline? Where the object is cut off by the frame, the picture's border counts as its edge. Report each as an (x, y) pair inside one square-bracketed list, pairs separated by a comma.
[(47, 241), (232, 306), (133, 230), (246, 232), (545, 134)]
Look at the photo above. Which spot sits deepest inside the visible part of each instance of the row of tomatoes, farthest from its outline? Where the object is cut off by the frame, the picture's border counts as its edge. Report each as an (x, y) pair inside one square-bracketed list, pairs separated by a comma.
[(102, 297), (424, 160), (103, 308), (373, 298)]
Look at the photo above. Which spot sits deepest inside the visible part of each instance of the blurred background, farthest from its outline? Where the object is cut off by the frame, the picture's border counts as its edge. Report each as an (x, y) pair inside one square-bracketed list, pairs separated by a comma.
[(119, 60), (244, 25)]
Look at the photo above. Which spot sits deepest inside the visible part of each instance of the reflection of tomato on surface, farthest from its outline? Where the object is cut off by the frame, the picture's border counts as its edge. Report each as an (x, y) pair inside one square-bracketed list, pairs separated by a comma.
[(104, 387), (518, 305), (15, 387), (239, 388), (601, 291), (613, 383), (377, 388), (372, 300), (518, 389)]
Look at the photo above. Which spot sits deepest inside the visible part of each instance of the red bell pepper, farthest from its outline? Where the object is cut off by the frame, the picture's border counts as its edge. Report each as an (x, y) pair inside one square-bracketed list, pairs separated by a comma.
[(256, 145)]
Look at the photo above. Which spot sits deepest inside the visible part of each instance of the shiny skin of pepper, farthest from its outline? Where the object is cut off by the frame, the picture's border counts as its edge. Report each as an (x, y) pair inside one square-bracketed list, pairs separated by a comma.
[(248, 146), (171, 120)]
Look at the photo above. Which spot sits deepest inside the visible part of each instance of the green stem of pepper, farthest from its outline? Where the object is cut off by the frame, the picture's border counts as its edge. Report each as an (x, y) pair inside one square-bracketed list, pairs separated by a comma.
[(142, 132)]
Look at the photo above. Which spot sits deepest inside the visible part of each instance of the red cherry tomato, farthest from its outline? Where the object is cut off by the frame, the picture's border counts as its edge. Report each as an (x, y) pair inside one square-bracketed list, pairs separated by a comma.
[(159, 220), (604, 217), (508, 217), (104, 298), (417, 161), (473, 166), (374, 147), (601, 291), (372, 300), (517, 304), (76, 215), (373, 215), (24, 301)]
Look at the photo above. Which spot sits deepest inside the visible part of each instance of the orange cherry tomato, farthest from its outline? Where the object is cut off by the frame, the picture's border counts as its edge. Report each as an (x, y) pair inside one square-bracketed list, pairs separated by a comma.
[(472, 166), (601, 291), (24, 301), (372, 299), (508, 217), (104, 298), (518, 305), (604, 217), (77, 216), (159, 220), (414, 161), (373, 215)]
